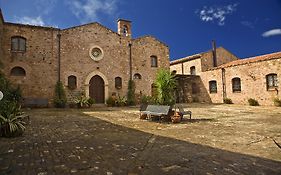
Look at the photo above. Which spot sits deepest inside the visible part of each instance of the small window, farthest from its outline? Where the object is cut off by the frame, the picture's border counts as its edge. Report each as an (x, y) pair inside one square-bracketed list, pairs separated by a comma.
[(213, 86), (18, 71), (137, 76), (154, 61), (153, 90), (174, 72), (72, 82), (236, 85), (192, 70), (194, 88), (271, 81), (125, 30), (118, 82), (18, 44)]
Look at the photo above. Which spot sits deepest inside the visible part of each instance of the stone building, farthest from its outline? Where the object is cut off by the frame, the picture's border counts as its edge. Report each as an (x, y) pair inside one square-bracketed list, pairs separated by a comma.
[(217, 74), (88, 58)]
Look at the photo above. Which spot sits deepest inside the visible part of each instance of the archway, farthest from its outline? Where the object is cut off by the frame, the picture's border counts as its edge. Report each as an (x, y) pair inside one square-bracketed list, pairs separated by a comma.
[(96, 89)]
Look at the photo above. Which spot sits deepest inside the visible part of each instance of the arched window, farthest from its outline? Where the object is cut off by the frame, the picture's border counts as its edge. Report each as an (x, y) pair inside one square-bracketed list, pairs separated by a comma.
[(72, 82), (271, 81), (18, 71), (192, 70), (174, 72), (153, 90), (236, 85), (194, 88), (125, 30), (213, 86), (18, 44), (154, 61), (118, 82), (137, 76)]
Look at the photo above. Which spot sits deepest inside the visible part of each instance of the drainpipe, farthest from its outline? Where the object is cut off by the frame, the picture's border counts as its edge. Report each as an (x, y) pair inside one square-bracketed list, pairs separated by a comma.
[(130, 60), (182, 69), (59, 59), (224, 95)]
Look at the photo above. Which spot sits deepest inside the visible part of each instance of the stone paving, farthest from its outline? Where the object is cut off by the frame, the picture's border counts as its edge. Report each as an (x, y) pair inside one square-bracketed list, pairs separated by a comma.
[(71, 142)]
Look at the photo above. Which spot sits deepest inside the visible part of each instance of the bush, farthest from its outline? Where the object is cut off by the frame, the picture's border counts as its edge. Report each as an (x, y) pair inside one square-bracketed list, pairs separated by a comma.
[(60, 97), (277, 102), (121, 101), (84, 102), (227, 101), (253, 102), (131, 93), (110, 101)]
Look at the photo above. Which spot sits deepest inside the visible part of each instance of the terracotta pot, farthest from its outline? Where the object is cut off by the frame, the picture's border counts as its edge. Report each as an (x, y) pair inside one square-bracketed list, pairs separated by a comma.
[(143, 116), (176, 118)]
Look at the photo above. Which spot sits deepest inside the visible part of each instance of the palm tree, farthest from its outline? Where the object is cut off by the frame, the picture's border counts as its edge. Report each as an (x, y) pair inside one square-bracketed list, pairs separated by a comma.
[(166, 84)]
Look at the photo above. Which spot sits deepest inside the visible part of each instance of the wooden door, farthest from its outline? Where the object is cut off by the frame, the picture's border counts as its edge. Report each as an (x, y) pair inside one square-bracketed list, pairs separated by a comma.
[(96, 90)]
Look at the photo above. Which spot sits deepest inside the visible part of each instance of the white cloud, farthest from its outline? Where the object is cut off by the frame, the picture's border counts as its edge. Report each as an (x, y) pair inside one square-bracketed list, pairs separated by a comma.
[(248, 24), (272, 32), (45, 6), (37, 21), (90, 10), (216, 13)]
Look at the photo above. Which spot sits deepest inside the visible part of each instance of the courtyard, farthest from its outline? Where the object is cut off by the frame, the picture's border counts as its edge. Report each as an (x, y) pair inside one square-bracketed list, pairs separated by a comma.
[(220, 139)]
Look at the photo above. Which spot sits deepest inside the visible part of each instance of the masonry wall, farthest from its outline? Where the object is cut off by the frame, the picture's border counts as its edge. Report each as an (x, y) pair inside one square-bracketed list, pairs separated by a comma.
[(253, 82), (184, 68), (1, 37), (142, 49), (39, 60), (223, 56)]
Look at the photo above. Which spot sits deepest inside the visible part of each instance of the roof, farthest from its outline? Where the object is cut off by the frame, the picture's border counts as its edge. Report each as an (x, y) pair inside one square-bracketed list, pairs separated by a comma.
[(249, 60), (123, 20), (188, 58)]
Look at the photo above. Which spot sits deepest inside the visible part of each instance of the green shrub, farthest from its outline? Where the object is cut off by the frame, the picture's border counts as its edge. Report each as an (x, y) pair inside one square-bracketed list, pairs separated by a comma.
[(277, 102), (227, 101), (110, 101), (11, 120), (84, 102), (121, 101), (253, 102), (60, 97), (131, 93)]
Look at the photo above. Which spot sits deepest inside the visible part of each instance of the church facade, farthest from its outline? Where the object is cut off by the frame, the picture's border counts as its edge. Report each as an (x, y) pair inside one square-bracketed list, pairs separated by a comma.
[(89, 59)]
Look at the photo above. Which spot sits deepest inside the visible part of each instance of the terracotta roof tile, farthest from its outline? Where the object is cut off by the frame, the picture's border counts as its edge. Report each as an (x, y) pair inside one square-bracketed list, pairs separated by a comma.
[(266, 57)]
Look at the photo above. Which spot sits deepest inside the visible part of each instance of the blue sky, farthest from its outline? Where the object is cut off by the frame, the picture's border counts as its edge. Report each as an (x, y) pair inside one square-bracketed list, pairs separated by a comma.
[(244, 27)]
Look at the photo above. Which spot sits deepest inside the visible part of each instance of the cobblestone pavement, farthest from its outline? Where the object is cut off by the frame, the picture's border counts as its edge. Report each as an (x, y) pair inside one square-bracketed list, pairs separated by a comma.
[(70, 142)]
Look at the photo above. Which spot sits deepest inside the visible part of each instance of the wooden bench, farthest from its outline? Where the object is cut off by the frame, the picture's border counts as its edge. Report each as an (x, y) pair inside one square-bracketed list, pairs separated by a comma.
[(156, 110)]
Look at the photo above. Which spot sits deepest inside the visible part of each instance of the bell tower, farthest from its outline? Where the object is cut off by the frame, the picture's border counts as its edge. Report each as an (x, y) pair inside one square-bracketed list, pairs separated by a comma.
[(124, 28)]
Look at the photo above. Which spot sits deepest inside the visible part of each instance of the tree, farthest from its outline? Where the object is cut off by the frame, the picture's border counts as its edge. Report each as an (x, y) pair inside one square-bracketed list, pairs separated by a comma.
[(166, 84), (60, 97)]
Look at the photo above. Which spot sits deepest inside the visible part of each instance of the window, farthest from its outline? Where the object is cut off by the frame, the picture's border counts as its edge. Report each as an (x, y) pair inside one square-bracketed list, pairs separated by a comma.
[(271, 81), (174, 72), (192, 70), (118, 82), (153, 90), (18, 71), (18, 44), (236, 85), (213, 86), (125, 30), (137, 76), (72, 82), (194, 88), (154, 61)]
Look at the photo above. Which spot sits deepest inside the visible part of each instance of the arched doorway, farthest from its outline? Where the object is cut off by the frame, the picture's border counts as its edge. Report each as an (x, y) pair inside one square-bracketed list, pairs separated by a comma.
[(96, 89)]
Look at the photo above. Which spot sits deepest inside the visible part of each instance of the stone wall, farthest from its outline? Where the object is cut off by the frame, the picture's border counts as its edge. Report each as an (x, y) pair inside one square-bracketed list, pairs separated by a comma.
[(39, 61), (184, 68), (253, 82), (223, 56), (190, 89), (1, 36)]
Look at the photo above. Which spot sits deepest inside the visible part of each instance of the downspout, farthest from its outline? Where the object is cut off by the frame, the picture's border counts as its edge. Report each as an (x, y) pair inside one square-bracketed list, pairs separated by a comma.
[(214, 49), (59, 56), (224, 95), (130, 60), (182, 68)]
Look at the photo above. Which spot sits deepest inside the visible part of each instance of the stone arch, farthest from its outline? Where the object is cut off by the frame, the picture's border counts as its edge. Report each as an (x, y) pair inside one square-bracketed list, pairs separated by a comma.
[(88, 79)]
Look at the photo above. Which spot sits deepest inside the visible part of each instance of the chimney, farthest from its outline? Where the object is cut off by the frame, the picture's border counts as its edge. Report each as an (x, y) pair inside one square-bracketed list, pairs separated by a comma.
[(214, 50), (124, 28)]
